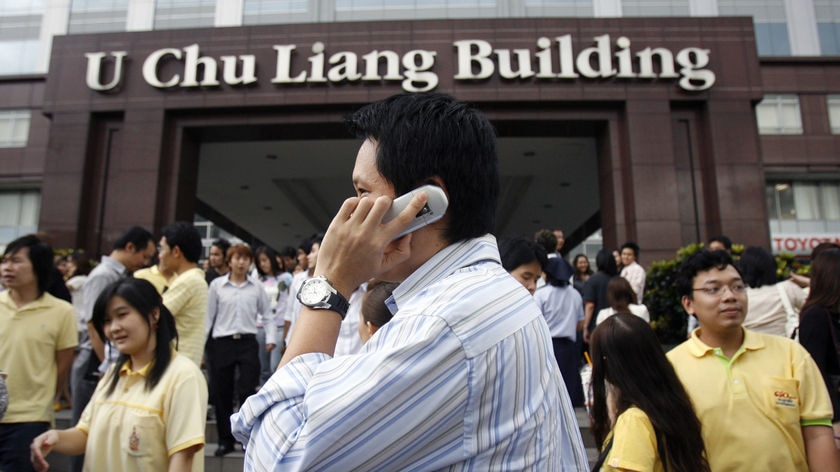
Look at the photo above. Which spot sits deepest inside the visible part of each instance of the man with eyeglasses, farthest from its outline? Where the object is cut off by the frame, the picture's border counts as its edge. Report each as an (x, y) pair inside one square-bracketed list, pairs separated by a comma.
[(760, 398)]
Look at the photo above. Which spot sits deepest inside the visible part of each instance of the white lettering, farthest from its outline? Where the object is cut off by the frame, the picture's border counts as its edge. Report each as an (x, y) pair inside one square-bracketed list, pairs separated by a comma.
[(151, 64), (475, 60), (94, 70)]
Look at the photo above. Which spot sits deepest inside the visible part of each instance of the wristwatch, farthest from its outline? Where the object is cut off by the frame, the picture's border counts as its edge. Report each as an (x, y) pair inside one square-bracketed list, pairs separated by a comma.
[(318, 293)]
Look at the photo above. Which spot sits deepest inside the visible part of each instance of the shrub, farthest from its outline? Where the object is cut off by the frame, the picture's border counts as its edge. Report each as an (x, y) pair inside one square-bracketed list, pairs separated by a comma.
[(667, 316)]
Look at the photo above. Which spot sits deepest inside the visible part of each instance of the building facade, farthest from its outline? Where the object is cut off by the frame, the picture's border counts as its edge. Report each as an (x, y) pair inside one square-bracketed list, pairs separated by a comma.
[(661, 122)]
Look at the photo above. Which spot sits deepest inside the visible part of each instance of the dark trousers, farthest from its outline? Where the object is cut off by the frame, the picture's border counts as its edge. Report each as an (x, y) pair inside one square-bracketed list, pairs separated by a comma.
[(83, 382), (568, 360), (228, 355), (14, 445)]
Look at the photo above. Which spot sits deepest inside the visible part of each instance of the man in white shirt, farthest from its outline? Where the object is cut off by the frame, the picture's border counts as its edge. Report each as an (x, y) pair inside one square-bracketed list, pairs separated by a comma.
[(234, 303), (434, 388), (632, 270)]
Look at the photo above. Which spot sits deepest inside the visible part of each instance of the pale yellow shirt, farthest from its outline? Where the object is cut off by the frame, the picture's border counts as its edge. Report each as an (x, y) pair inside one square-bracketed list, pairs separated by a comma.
[(29, 339), (153, 275), (187, 300), (135, 429), (634, 444), (752, 407)]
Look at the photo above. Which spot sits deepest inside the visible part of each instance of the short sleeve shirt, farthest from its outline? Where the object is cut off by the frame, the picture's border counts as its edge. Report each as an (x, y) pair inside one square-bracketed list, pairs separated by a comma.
[(753, 407), (135, 429), (634, 444)]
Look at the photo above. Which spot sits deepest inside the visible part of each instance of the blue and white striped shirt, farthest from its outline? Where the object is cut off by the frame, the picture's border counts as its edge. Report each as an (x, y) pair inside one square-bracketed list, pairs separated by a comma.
[(462, 378)]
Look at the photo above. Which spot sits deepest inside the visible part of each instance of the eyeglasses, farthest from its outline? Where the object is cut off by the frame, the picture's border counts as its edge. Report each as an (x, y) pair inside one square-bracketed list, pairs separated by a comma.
[(736, 288)]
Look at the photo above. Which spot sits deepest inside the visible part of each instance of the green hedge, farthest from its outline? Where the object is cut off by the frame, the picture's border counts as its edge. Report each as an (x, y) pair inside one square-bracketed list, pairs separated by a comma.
[(667, 316)]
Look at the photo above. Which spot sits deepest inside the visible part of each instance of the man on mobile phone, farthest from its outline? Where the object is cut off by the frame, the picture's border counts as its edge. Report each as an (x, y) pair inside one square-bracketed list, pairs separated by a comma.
[(463, 376)]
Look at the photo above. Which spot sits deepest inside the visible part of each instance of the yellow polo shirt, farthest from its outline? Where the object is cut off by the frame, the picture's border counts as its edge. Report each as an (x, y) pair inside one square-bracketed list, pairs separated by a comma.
[(153, 275), (29, 339), (187, 300), (752, 407), (634, 446), (135, 429)]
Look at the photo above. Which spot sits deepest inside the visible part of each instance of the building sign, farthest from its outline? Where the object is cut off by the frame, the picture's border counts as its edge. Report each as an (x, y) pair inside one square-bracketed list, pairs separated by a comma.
[(800, 244), (474, 60)]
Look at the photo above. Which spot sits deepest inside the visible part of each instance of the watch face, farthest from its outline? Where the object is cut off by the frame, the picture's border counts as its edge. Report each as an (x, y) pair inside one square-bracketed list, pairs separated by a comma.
[(313, 292)]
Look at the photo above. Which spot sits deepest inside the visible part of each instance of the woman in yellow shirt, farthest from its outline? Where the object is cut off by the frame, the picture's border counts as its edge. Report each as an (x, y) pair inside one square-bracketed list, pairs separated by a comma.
[(148, 412), (640, 412)]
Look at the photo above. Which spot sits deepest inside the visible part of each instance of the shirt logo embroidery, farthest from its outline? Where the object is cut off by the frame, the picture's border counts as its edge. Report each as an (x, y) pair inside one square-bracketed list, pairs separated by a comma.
[(134, 440), (785, 399)]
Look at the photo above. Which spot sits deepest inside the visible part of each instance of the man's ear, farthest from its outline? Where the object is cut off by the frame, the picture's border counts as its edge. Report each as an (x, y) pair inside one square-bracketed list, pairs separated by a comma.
[(438, 182), (688, 304), (130, 247)]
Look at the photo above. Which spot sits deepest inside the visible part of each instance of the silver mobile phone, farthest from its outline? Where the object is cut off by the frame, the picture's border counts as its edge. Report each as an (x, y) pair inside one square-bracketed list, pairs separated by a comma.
[(433, 210)]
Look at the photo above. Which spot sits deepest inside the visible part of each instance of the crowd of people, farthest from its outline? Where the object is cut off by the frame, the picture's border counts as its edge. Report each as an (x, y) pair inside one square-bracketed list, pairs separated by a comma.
[(442, 349)]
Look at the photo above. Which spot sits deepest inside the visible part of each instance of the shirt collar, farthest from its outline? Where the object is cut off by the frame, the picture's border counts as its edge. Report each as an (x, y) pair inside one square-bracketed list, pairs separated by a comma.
[(446, 262), (40, 302), (113, 264), (248, 280), (144, 372), (698, 348)]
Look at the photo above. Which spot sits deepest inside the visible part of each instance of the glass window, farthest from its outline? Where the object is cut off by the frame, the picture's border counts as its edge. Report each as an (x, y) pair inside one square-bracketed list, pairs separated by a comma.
[(97, 16), (256, 12), (655, 8), (172, 14), (770, 20), (803, 200), (20, 30), (19, 212), (779, 114), (834, 113), (827, 13), (412, 9), (14, 128), (540, 8)]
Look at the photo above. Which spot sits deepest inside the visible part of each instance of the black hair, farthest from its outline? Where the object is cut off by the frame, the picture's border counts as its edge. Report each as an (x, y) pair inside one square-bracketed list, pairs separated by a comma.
[(143, 297), (627, 354), (82, 261), (420, 136), (272, 257), (574, 265), (288, 251), (546, 239), (137, 236), (727, 243), (40, 256), (632, 246), (515, 252), (700, 261), (374, 309), (221, 243), (825, 280), (606, 262), (184, 236), (620, 295), (758, 267)]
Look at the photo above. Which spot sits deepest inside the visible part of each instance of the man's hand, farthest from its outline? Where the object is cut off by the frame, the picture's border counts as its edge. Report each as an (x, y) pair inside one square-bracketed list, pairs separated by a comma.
[(269, 347), (358, 245)]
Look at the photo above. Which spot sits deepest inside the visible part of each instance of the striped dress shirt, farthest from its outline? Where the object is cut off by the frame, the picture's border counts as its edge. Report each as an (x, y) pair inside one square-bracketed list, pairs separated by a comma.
[(462, 378)]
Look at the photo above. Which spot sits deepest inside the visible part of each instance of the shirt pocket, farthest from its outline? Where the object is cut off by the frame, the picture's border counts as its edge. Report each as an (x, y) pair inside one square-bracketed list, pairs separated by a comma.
[(781, 399), (142, 435)]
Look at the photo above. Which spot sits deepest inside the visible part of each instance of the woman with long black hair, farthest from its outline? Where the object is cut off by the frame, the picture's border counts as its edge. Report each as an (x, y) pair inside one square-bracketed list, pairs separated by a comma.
[(640, 413), (819, 325), (148, 412)]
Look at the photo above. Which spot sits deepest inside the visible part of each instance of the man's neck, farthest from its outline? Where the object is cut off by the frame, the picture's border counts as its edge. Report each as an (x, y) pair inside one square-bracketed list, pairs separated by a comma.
[(221, 270), (238, 278), (185, 266), (728, 341), (24, 296)]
